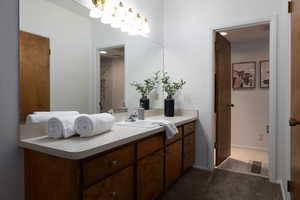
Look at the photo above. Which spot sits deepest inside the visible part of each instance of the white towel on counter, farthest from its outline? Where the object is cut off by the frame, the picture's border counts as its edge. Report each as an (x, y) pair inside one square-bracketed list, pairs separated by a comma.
[(61, 126), (171, 129), (90, 125), (39, 117), (60, 113)]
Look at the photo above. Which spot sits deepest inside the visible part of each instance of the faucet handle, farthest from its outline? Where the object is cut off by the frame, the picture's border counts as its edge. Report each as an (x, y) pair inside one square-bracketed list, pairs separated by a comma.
[(132, 117)]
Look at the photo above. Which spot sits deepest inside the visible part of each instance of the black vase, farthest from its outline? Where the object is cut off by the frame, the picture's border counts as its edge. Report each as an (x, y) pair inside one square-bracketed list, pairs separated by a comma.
[(144, 103), (169, 107)]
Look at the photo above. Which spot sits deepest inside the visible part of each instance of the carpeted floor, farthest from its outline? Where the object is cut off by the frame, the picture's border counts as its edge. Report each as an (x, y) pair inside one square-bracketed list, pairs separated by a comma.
[(222, 185)]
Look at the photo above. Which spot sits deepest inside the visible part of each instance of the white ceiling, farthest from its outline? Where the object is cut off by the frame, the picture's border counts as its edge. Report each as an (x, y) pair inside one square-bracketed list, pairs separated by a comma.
[(258, 32)]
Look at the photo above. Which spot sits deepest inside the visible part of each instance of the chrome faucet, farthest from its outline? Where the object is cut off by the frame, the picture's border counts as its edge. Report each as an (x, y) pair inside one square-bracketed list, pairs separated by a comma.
[(132, 117)]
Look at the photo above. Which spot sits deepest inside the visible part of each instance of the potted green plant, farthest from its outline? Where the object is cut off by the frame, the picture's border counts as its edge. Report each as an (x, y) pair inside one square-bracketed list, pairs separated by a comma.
[(145, 89), (170, 87)]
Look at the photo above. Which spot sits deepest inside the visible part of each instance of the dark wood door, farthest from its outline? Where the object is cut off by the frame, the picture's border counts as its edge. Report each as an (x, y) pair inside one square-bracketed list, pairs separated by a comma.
[(295, 100), (150, 176), (34, 74), (223, 98), (173, 162), (119, 186)]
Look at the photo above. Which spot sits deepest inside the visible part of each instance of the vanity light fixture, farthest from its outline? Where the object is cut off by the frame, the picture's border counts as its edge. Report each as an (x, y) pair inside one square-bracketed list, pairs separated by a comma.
[(115, 13), (224, 33), (103, 52)]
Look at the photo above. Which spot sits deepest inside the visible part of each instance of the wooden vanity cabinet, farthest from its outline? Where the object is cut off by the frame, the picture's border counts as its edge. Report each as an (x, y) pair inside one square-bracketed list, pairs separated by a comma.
[(173, 163), (118, 186), (188, 146), (140, 170), (150, 176)]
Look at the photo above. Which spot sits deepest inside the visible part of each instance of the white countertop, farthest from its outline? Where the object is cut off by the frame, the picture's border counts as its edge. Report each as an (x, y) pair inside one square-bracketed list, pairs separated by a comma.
[(76, 148)]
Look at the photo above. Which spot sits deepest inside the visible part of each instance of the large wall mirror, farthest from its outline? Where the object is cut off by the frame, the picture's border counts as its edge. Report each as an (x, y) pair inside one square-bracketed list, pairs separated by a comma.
[(70, 62)]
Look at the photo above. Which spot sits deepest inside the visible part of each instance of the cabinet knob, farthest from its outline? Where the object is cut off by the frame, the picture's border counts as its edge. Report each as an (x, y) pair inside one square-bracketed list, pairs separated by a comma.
[(115, 162), (113, 194)]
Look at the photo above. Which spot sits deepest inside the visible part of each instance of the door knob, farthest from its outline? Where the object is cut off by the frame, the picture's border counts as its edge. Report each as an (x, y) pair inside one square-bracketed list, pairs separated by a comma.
[(294, 122), (231, 105)]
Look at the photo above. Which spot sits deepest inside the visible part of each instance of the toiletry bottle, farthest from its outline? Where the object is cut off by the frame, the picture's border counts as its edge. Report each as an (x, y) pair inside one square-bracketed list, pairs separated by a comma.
[(141, 113)]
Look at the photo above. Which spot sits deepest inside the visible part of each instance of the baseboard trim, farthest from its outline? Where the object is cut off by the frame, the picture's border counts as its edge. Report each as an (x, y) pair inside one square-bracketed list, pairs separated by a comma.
[(204, 168), (250, 147), (283, 191)]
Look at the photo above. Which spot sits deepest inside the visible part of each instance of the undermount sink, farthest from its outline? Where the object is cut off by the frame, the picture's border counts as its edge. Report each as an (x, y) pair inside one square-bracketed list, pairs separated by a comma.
[(138, 124)]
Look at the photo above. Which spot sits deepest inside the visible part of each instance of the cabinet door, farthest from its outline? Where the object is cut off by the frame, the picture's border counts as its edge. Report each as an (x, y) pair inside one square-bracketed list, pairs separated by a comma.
[(188, 151), (119, 186), (173, 162), (150, 176)]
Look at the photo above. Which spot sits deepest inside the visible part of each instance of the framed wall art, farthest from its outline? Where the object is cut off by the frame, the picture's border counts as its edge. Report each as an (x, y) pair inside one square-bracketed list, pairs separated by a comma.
[(264, 74), (244, 75)]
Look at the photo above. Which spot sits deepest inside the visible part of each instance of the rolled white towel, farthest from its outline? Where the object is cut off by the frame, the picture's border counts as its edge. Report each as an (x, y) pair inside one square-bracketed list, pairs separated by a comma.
[(90, 125), (39, 117), (61, 126), (60, 113)]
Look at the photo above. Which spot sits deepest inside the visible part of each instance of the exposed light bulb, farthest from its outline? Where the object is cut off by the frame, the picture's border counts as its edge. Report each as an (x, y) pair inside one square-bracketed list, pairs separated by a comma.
[(116, 23), (124, 27), (107, 17), (120, 11), (145, 29), (114, 12), (126, 23), (136, 25), (95, 13)]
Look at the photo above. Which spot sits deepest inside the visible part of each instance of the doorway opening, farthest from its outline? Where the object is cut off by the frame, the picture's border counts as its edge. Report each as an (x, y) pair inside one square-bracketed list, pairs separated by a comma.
[(242, 99), (112, 78)]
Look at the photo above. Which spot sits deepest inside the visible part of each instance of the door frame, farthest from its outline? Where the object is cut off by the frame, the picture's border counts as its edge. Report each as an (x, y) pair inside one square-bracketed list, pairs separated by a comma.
[(272, 21)]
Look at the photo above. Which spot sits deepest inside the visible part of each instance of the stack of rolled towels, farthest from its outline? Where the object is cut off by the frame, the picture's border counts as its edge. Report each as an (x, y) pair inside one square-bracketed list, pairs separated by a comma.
[(65, 124)]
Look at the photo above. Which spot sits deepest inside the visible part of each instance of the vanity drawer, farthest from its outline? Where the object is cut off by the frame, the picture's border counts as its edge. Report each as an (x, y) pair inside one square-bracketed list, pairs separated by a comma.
[(119, 186), (176, 137), (189, 128), (96, 169), (150, 145)]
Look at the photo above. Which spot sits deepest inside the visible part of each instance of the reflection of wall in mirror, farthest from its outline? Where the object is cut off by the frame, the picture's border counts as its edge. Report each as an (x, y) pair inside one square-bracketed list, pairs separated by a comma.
[(70, 51)]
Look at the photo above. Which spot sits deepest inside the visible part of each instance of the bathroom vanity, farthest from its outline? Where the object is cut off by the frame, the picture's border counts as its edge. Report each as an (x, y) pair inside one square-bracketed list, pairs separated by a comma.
[(125, 164), (77, 63)]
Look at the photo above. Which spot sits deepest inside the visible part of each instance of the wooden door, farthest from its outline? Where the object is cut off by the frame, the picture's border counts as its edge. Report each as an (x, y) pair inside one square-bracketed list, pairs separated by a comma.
[(119, 186), (295, 101), (150, 176), (223, 98), (173, 162), (34, 74)]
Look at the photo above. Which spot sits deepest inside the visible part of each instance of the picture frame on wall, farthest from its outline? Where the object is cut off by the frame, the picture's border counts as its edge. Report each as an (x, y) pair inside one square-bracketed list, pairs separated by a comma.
[(244, 75), (264, 74)]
